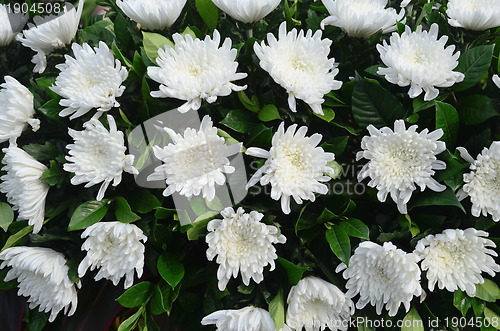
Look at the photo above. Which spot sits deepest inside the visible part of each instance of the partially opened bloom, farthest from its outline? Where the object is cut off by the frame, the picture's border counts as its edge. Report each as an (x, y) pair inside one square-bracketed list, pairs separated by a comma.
[(51, 32), (401, 160), (477, 15), (362, 18), (420, 60), (115, 249), (92, 79), (456, 258), (16, 109), (315, 304), (247, 11), (23, 186), (299, 63), (295, 166), (242, 243), (496, 80), (10, 24), (152, 14), (196, 70), (98, 156), (482, 183), (382, 276), (245, 319), (194, 163), (42, 275)]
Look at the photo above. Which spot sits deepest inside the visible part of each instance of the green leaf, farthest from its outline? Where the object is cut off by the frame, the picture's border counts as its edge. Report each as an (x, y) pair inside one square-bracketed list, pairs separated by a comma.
[(372, 104), (87, 214), (336, 145), (130, 322), (6, 215), (123, 212), (252, 105), (163, 298), (328, 115), (12, 240), (5, 286), (153, 42), (122, 33), (54, 176), (208, 12), (170, 269), (412, 321), (462, 302), (45, 152), (269, 113), (136, 295), (474, 63), (355, 228), (488, 291), (339, 243), (491, 317), (431, 198), (37, 320), (143, 201), (293, 272), (118, 54), (447, 119), (476, 109), (239, 120), (199, 227), (277, 310)]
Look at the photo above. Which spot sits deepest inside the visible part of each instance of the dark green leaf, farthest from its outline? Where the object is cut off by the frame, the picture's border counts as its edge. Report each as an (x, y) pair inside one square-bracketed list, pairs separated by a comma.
[(45, 152), (293, 272), (54, 176), (130, 322), (123, 212), (447, 119), (51, 109), (372, 104), (412, 321), (163, 298), (252, 105), (6, 216), (12, 240), (143, 201), (170, 269), (355, 228), (277, 310), (431, 198), (136, 295), (37, 320), (87, 214), (474, 63), (339, 243), (239, 120), (269, 113), (208, 12), (336, 145), (476, 109)]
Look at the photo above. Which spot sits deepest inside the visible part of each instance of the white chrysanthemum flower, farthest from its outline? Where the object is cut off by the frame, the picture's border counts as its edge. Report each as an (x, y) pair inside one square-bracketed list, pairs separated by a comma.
[(477, 15), (315, 304), (401, 160), (247, 11), (455, 259), (496, 80), (362, 18), (382, 276), (98, 155), (195, 70), (10, 24), (245, 319), (242, 243), (300, 64), (115, 249), (16, 109), (23, 185), (420, 60), (295, 166), (152, 14), (42, 274), (92, 79), (51, 32), (195, 162), (482, 184)]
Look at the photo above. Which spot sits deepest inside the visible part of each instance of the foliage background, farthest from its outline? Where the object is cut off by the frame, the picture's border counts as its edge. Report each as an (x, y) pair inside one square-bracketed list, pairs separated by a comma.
[(179, 286)]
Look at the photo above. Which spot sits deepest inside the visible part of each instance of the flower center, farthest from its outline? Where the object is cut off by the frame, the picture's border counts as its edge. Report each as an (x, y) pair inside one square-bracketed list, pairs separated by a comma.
[(299, 62)]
